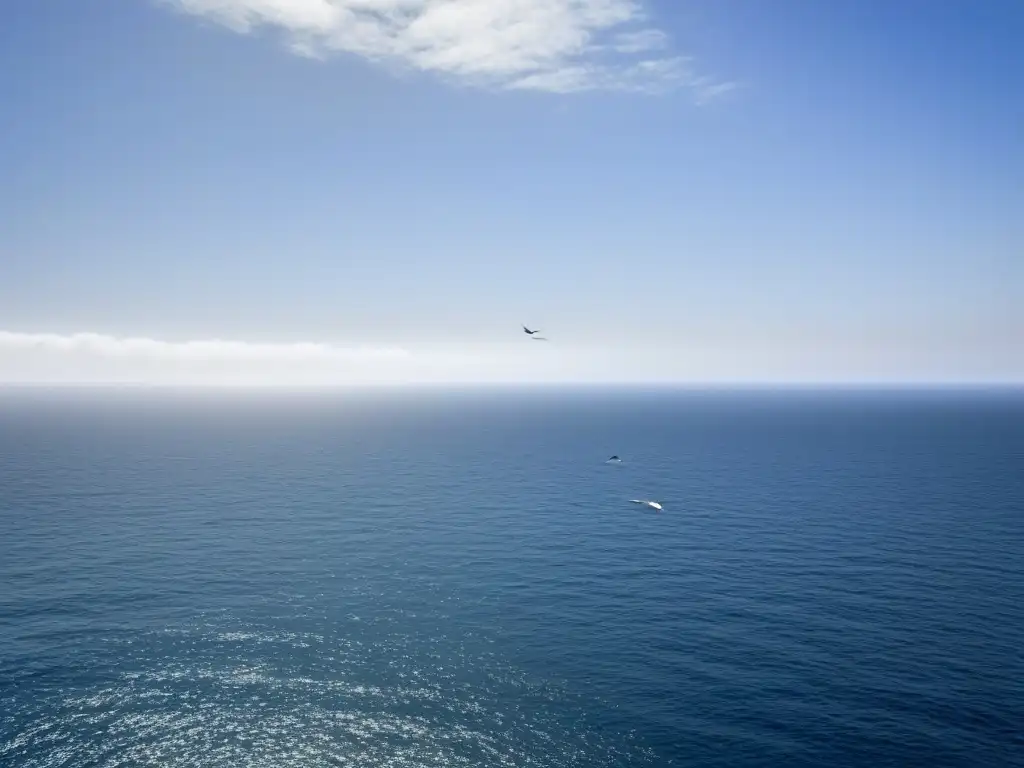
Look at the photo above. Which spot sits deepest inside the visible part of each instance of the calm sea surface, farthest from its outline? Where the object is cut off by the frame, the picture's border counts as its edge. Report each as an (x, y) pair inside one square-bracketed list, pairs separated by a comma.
[(458, 579)]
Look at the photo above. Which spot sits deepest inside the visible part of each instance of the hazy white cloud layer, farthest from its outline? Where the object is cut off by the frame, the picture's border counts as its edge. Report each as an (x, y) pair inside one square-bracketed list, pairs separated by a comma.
[(94, 357), (82, 358), (546, 45), (213, 350)]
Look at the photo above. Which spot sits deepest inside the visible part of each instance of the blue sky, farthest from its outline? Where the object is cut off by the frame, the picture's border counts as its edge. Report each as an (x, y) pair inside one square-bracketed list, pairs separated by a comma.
[(684, 190)]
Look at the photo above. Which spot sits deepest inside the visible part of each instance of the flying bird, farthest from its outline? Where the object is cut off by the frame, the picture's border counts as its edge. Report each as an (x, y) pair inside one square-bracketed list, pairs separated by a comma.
[(533, 334), (651, 504)]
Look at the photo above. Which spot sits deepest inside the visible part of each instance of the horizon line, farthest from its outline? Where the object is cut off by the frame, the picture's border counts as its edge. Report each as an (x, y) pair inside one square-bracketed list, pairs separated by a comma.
[(681, 384)]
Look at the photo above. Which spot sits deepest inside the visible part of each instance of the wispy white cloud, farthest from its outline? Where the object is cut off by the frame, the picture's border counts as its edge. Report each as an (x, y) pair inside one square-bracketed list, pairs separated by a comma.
[(549, 45), (650, 76), (212, 350), (640, 41), (95, 357), (721, 355)]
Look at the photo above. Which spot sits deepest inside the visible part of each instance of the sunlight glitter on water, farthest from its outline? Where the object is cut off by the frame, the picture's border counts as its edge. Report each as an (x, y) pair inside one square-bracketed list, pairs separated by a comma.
[(239, 702)]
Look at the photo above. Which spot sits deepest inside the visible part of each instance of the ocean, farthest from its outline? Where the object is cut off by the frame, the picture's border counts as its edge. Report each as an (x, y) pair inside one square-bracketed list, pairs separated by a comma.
[(458, 578)]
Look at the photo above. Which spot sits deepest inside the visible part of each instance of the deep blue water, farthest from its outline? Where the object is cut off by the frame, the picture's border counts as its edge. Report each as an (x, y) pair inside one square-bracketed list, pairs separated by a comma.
[(445, 579)]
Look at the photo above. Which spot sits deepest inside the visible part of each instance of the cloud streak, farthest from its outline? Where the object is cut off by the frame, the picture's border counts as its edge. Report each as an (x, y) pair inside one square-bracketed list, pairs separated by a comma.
[(98, 358), (558, 46), (213, 350), (93, 358)]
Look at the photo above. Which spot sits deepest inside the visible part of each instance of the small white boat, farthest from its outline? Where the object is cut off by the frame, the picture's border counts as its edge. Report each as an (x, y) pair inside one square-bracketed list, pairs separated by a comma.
[(645, 502)]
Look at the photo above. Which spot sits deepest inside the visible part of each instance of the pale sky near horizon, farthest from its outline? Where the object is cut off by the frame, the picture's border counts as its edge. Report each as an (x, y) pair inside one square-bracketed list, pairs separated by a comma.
[(353, 191)]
